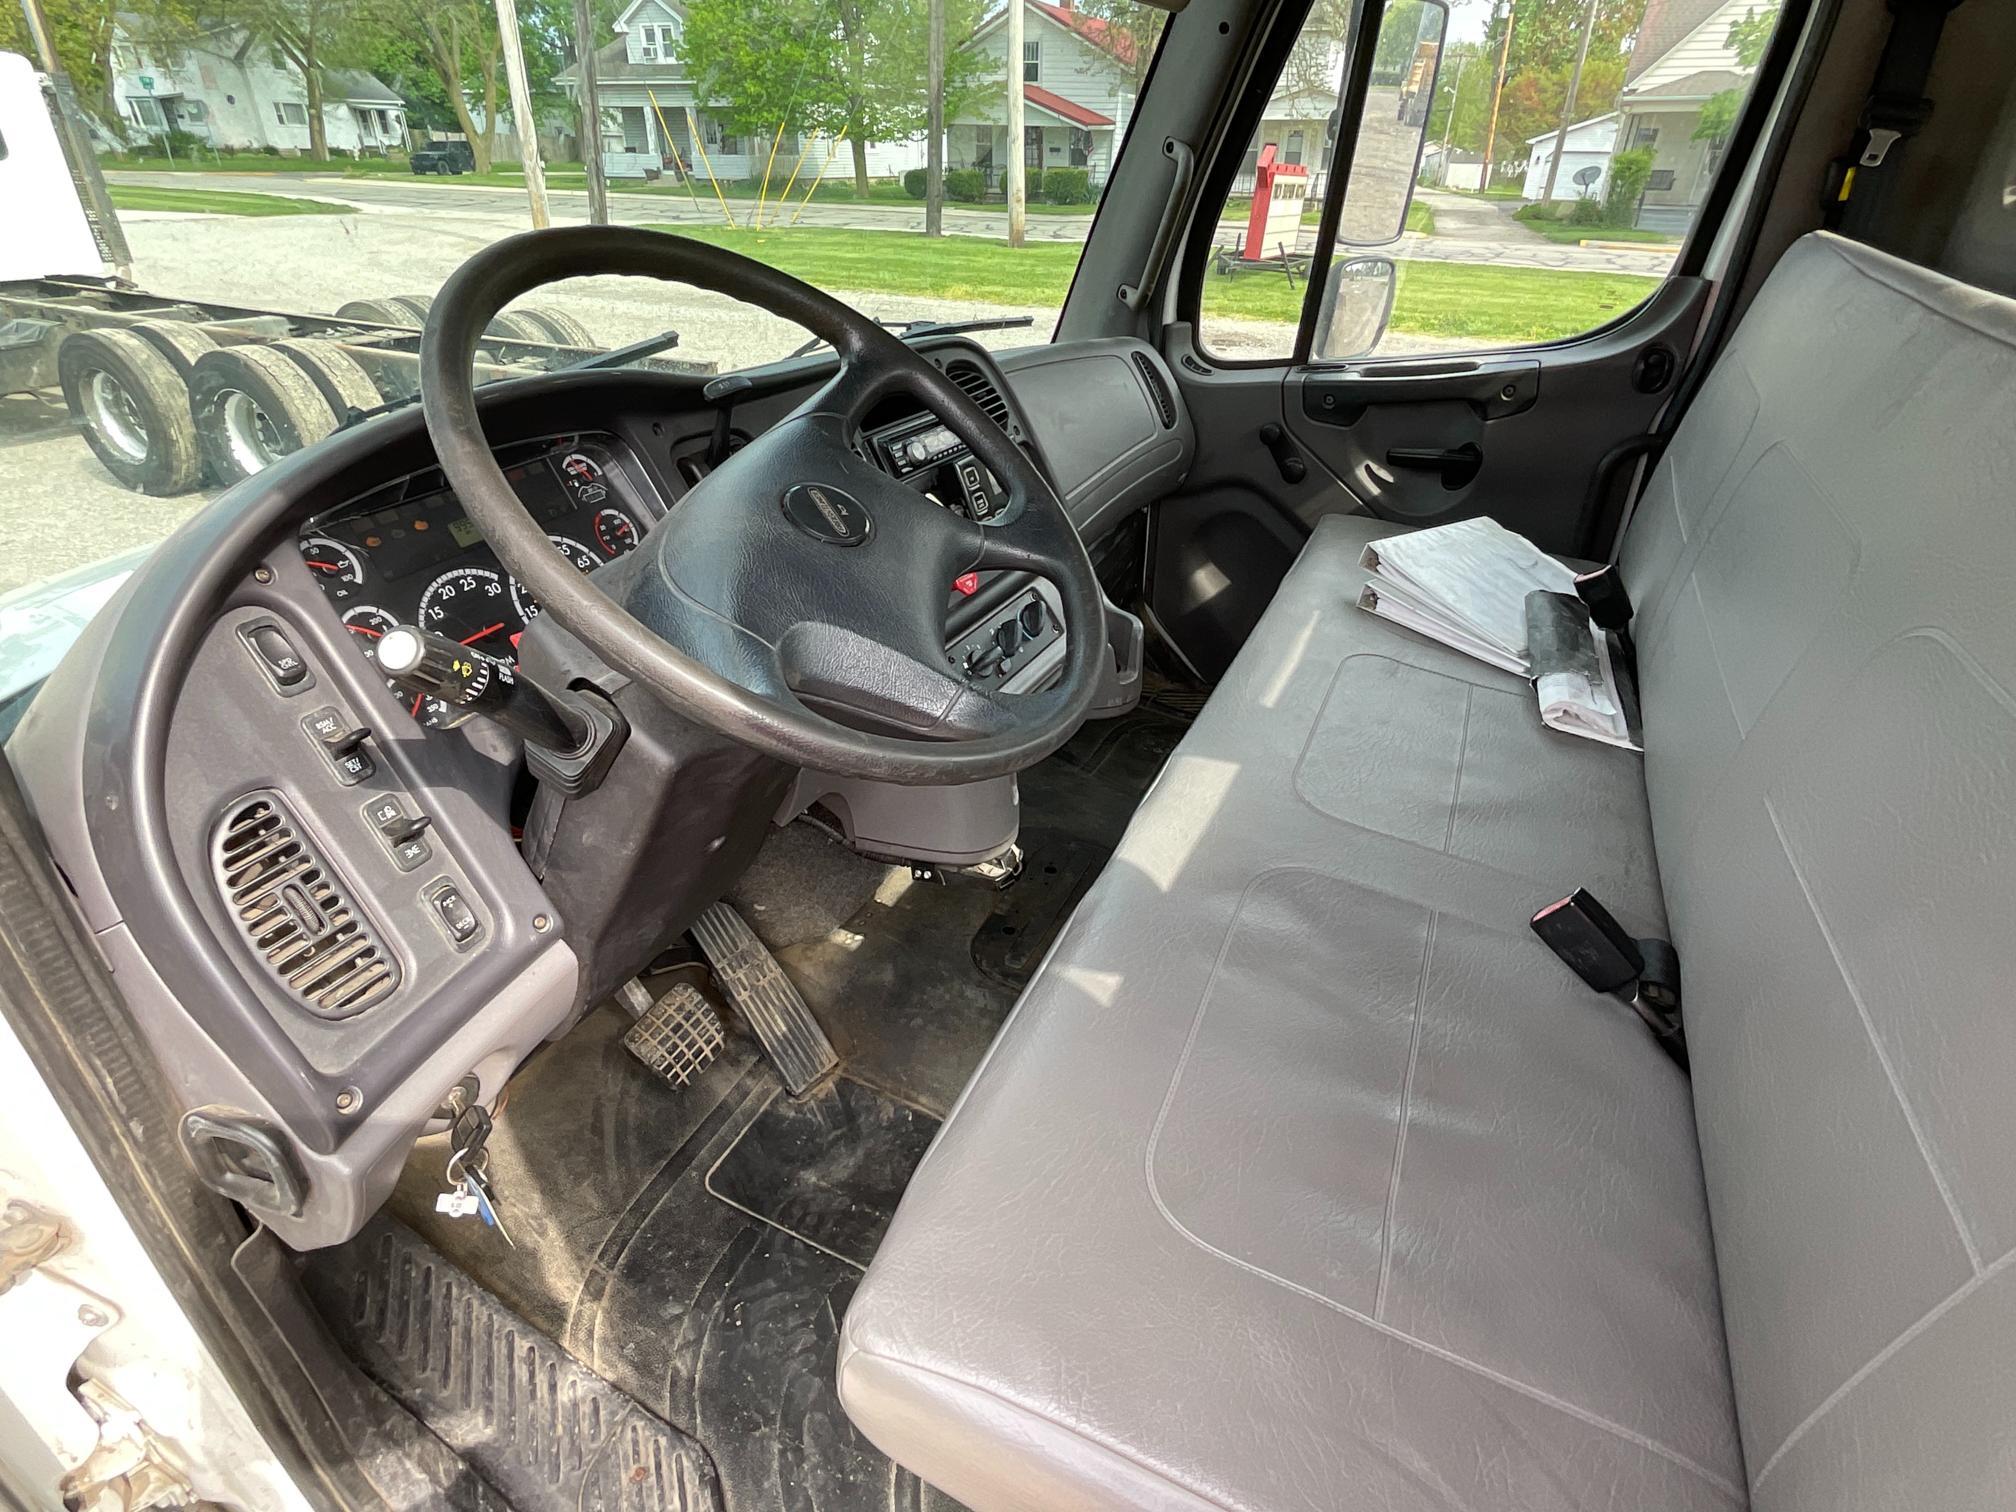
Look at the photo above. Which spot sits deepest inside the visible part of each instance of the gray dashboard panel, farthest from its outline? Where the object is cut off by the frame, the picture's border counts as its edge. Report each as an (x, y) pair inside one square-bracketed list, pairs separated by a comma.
[(1109, 450)]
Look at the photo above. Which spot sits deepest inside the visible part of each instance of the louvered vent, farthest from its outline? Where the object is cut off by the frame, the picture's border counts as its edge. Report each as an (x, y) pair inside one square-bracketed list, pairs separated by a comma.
[(980, 389), (296, 920), (1151, 375)]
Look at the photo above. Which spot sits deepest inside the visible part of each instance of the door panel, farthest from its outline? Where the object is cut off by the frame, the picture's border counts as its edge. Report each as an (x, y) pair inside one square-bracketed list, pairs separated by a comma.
[(1517, 434)]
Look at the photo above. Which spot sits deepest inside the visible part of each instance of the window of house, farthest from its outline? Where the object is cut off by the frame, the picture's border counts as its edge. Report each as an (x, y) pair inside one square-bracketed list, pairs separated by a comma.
[(1032, 60), (290, 113), (146, 112), (1490, 89), (655, 42)]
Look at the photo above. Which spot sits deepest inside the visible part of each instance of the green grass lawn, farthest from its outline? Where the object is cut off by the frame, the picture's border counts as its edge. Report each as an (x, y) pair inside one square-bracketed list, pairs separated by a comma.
[(1534, 218), (217, 202), (1488, 304)]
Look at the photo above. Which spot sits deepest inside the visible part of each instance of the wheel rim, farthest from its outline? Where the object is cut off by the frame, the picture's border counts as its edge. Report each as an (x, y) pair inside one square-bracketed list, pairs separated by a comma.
[(249, 432), (115, 416)]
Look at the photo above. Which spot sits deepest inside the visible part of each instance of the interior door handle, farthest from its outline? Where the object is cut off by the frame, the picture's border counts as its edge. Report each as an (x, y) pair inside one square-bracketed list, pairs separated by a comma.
[(1458, 464)]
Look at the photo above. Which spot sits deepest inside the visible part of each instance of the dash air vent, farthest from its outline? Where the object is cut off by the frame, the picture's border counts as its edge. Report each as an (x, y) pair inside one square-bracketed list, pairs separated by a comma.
[(1151, 375), (294, 916), (980, 389)]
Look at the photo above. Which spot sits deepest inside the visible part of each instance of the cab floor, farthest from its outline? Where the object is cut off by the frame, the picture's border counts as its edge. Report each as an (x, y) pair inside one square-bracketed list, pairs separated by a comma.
[(697, 1247)]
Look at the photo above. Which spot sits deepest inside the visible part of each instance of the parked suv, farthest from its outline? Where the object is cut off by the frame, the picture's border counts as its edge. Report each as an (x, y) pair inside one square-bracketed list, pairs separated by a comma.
[(444, 157)]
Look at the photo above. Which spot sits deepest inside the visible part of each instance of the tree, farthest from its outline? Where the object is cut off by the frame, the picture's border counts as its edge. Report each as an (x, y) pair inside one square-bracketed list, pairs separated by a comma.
[(853, 68), (312, 36), (1131, 31), (466, 52), (1748, 37)]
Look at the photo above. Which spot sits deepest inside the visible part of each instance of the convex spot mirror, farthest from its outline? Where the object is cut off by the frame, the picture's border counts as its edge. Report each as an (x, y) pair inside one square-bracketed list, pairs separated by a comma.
[(1357, 305), (1386, 159)]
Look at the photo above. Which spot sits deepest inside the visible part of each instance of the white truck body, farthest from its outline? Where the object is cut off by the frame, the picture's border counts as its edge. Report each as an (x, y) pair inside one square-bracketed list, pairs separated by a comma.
[(47, 235)]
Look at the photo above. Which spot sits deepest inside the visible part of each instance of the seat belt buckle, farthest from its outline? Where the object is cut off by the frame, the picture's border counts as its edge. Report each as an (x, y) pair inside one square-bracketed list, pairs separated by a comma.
[(1605, 596), (1643, 973)]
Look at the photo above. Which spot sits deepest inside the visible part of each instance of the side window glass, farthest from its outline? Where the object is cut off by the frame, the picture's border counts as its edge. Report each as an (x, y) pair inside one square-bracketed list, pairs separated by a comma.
[(1564, 148)]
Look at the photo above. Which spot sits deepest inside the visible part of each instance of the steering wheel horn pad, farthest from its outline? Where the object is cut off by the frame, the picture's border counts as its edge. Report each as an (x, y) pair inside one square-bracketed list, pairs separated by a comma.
[(793, 600)]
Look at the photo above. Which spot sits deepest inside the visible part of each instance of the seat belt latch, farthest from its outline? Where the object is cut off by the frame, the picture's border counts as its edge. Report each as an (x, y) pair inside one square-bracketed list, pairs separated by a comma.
[(1605, 596), (1643, 973)]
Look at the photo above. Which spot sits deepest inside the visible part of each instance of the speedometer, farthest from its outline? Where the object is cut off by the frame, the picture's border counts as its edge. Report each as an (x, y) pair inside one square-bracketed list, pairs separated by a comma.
[(584, 560), (472, 607)]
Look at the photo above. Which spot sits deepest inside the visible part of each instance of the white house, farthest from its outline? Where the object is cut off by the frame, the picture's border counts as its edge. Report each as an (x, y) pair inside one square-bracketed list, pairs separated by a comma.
[(1585, 164), (1077, 94), (235, 92), (650, 110), (1680, 60)]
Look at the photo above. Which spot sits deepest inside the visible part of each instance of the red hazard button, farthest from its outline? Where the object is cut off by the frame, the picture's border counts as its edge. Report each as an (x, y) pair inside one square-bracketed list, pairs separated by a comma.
[(967, 583)]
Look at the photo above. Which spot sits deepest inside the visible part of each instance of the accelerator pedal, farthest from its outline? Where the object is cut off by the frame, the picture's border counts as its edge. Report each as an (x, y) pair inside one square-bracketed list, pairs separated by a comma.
[(677, 1035), (763, 995)]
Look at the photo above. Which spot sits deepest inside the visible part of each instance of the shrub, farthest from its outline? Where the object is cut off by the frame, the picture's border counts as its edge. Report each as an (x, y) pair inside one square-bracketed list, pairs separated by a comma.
[(344, 154), (1629, 173), (914, 183), (1068, 186), (1033, 187), (269, 149), (966, 185), (1586, 211)]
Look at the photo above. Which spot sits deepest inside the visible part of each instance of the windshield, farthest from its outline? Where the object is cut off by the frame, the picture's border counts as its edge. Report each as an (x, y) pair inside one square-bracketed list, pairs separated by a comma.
[(294, 203)]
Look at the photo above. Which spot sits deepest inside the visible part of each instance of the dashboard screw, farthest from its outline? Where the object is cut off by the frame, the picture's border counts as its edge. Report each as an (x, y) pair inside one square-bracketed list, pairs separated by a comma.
[(541, 923), (1510, 391), (262, 574), (349, 1100)]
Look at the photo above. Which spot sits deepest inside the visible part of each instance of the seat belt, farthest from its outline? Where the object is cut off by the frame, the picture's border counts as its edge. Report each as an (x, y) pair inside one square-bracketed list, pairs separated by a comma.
[(1896, 109)]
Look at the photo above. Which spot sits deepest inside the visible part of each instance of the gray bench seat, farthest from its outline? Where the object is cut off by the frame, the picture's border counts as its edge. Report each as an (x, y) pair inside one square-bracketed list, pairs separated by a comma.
[(1304, 1177)]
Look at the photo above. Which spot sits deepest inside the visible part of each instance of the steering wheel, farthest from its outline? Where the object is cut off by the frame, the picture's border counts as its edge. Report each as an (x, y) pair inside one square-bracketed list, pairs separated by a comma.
[(795, 599)]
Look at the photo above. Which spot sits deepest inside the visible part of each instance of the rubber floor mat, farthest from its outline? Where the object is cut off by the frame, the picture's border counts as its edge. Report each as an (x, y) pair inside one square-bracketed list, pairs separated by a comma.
[(541, 1429), (828, 1169)]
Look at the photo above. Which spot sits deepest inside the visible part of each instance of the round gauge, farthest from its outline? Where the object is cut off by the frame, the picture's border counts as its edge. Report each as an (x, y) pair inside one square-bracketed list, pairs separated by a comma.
[(584, 561), (472, 607), (580, 468), (338, 568), (615, 533)]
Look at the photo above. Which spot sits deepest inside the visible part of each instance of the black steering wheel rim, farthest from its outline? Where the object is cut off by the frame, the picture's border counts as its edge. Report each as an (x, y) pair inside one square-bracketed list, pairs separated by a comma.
[(976, 735)]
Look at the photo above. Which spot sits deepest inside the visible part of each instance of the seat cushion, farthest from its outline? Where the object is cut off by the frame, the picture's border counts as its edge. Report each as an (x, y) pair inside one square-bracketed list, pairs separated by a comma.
[(1303, 1176)]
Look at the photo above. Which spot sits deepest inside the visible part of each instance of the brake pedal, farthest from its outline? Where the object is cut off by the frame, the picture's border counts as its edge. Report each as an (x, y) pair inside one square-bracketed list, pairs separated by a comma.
[(756, 984), (677, 1035)]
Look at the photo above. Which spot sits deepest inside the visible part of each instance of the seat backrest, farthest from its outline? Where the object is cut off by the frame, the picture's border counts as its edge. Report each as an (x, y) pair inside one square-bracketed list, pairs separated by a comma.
[(1823, 566)]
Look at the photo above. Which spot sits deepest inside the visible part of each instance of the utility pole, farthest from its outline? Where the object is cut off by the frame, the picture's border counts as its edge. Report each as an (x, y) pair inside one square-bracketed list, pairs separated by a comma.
[(1018, 175), (591, 115), (1449, 126), (1497, 94), (521, 110), (934, 113), (76, 142), (1568, 105)]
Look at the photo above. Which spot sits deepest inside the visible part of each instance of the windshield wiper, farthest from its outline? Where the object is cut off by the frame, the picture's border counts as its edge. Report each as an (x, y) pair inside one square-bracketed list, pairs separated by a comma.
[(910, 329), (650, 346)]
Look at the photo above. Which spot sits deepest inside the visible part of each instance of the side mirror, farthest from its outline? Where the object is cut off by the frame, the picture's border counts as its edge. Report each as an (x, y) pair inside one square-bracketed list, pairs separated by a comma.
[(1357, 305), (1387, 158)]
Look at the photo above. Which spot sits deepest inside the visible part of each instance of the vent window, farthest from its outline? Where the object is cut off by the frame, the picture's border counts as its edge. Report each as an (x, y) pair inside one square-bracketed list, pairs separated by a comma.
[(295, 917), (1151, 375)]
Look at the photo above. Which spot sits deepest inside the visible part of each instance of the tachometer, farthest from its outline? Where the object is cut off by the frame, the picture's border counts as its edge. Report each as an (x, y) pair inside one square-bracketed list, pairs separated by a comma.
[(472, 607), (584, 561), (615, 533)]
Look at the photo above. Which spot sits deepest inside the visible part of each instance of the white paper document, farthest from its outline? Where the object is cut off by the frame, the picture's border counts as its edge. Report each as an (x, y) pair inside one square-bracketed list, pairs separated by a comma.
[(1466, 584)]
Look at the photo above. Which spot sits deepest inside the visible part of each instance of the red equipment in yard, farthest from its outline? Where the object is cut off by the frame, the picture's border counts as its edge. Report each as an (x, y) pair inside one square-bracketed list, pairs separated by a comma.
[(1280, 190)]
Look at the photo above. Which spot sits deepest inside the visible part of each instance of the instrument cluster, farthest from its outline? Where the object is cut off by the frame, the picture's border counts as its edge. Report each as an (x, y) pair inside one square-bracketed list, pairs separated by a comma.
[(408, 553)]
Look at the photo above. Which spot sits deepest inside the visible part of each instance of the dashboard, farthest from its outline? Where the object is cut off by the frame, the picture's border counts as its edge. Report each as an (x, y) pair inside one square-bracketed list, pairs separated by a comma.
[(227, 696), (408, 554)]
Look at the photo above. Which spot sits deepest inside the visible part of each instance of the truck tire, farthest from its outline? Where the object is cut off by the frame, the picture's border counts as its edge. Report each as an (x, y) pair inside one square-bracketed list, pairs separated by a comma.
[(513, 327), (559, 327), (177, 340), (253, 406), (416, 306), (339, 377), (376, 311), (133, 408)]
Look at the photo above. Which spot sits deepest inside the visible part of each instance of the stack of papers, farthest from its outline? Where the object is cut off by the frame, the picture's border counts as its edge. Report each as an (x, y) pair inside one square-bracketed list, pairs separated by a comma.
[(1464, 585), (1468, 585)]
